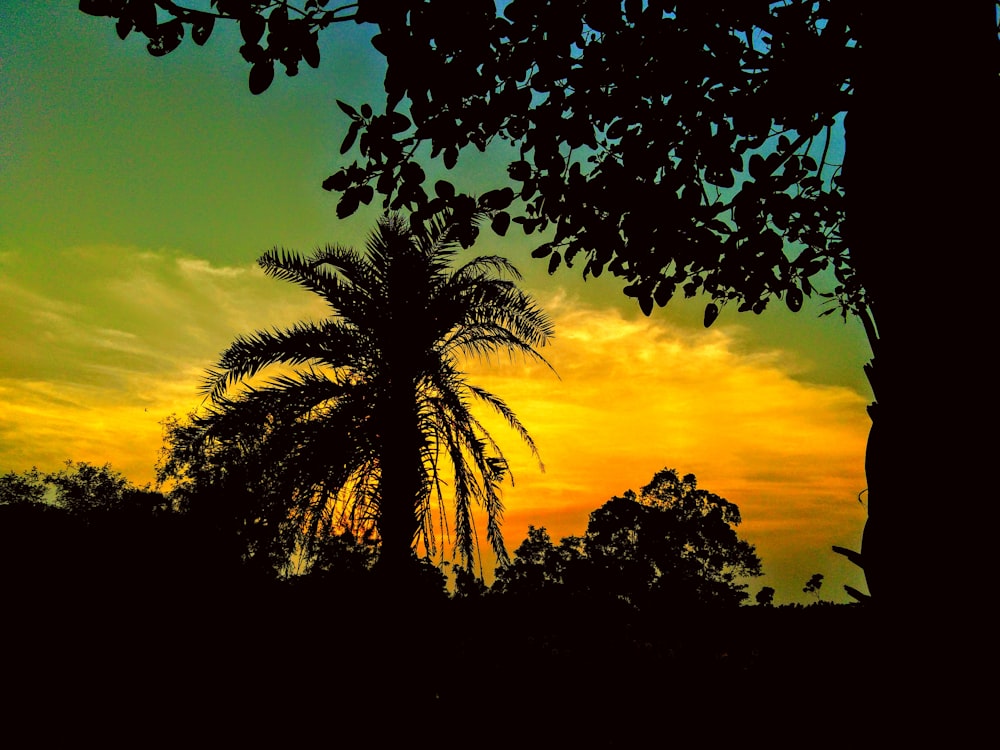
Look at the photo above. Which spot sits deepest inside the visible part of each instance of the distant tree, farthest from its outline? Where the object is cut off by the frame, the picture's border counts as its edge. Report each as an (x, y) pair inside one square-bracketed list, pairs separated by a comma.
[(230, 491), (94, 492), (765, 597), (24, 487), (813, 585), (88, 525), (540, 567), (468, 585), (374, 416), (342, 555), (85, 490), (673, 544), (38, 540)]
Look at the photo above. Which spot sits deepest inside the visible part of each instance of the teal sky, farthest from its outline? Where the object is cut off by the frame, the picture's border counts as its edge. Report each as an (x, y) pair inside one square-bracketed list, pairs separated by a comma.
[(136, 193)]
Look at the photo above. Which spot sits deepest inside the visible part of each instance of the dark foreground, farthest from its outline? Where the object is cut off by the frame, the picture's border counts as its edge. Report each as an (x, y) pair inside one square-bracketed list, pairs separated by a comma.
[(280, 666)]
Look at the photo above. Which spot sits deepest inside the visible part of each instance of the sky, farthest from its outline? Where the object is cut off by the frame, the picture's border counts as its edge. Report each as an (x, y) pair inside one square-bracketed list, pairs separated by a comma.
[(136, 194)]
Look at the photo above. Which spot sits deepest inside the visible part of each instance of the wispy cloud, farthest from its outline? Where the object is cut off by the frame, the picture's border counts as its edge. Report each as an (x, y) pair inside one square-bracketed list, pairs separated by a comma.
[(96, 355), (639, 394)]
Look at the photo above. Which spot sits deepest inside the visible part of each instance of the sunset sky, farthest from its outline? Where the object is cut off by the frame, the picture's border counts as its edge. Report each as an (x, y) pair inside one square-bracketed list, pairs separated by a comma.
[(136, 194)]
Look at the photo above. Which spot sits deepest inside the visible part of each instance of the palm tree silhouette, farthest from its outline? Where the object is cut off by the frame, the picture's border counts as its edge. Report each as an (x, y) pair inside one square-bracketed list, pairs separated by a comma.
[(367, 415)]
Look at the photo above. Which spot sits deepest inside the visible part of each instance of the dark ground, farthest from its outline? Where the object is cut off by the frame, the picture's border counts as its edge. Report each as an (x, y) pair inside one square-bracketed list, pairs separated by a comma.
[(280, 667)]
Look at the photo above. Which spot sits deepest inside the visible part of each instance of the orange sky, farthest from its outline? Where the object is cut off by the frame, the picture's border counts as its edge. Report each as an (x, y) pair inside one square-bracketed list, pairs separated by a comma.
[(137, 194)]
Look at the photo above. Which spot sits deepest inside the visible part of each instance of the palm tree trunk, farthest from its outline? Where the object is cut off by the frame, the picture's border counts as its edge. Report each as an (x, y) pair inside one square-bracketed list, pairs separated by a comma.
[(401, 483)]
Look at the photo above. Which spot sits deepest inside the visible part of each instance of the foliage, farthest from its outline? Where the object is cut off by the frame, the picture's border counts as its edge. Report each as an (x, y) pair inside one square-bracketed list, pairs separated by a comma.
[(468, 585), (83, 490), (813, 585), (370, 417), (765, 597), (24, 487), (672, 544), (674, 540), (342, 554), (230, 489), (541, 568), (92, 492), (721, 115), (87, 526)]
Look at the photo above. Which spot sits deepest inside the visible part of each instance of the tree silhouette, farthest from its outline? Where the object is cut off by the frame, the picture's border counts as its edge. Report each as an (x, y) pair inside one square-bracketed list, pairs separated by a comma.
[(673, 545), (27, 487), (813, 585), (765, 597), (540, 568), (362, 419)]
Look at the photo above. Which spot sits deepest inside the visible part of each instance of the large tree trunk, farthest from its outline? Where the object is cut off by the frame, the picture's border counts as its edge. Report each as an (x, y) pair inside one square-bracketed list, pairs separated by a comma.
[(922, 170), (922, 173)]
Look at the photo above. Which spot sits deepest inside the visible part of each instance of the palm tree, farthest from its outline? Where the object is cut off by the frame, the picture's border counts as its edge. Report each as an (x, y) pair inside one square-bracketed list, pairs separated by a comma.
[(364, 420)]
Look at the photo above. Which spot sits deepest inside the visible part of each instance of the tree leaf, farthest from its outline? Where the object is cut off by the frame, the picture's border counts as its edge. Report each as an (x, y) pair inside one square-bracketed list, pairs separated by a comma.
[(497, 200), (97, 7), (348, 203), (554, 260), (261, 76), (348, 110), (252, 28), (310, 50), (397, 122), (711, 313), (352, 134), (519, 170), (201, 29), (338, 181), (166, 38), (793, 299), (444, 189), (413, 173), (123, 27), (500, 222)]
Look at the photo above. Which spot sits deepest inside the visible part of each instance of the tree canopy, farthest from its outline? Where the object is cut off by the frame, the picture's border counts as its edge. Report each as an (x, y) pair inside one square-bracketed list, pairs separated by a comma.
[(725, 117), (672, 545)]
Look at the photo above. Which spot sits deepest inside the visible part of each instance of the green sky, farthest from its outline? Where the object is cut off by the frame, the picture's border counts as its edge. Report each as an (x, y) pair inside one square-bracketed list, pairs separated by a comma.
[(136, 193)]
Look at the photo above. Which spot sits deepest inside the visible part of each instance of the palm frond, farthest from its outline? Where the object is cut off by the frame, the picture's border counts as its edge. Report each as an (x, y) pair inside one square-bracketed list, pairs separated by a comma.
[(501, 408), (332, 344), (306, 406)]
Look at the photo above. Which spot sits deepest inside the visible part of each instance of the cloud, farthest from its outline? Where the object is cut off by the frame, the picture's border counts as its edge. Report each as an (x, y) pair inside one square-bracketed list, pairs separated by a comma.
[(112, 341), (636, 395)]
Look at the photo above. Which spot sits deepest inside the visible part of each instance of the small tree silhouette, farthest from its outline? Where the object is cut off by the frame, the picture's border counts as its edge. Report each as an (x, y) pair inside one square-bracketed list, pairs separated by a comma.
[(813, 585)]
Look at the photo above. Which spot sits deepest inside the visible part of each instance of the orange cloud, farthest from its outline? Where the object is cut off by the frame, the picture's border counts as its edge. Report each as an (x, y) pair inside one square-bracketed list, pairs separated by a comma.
[(640, 394)]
